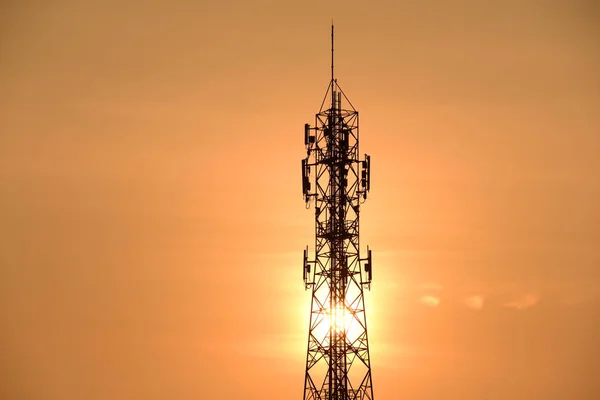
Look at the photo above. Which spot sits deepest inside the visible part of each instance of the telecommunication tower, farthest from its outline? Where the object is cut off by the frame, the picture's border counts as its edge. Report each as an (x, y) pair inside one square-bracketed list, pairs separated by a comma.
[(338, 365)]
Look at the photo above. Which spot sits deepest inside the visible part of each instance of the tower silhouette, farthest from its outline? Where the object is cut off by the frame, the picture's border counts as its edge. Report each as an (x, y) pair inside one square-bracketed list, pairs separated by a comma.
[(338, 365)]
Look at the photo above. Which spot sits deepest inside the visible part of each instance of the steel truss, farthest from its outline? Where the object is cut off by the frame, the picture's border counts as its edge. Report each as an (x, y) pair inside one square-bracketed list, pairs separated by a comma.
[(338, 364)]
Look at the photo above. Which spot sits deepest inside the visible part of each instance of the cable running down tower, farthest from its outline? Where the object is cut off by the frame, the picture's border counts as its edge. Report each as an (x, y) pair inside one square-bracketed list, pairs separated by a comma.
[(338, 365)]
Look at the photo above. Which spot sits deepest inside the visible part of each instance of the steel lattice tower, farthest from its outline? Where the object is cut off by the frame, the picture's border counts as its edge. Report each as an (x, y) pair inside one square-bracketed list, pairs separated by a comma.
[(338, 365)]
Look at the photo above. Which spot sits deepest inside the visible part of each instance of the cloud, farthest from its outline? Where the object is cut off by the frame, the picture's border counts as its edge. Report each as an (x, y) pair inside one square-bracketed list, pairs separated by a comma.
[(429, 300), (526, 301), (474, 302)]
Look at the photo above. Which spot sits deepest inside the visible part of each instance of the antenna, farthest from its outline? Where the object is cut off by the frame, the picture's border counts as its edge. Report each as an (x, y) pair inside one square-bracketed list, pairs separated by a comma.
[(332, 75)]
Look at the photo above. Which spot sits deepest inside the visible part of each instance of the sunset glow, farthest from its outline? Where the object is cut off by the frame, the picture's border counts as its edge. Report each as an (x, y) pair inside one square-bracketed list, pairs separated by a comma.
[(152, 217)]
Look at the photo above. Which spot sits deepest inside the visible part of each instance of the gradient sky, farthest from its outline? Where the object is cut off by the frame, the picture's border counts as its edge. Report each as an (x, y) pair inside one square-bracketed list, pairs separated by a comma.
[(152, 221)]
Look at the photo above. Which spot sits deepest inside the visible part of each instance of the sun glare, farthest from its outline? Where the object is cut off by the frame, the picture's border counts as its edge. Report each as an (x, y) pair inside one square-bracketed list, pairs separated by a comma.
[(339, 320)]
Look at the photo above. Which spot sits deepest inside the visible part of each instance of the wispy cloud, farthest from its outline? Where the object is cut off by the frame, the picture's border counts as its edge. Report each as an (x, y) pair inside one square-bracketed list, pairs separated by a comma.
[(429, 300), (474, 302), (524, 302)]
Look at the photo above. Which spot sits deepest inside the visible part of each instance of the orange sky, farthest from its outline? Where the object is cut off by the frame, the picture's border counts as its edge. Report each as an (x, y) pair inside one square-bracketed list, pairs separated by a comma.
[(152, 221)]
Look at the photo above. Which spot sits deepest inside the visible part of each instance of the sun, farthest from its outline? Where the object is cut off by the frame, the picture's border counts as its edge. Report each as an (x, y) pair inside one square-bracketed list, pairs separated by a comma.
[(339, 320)]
